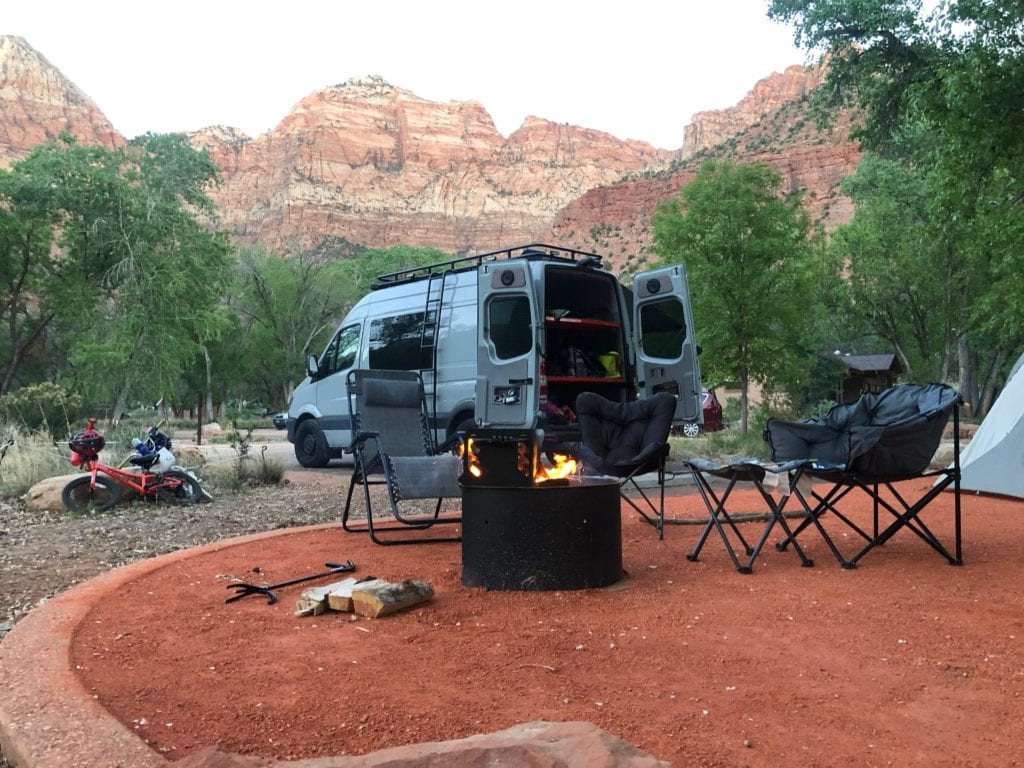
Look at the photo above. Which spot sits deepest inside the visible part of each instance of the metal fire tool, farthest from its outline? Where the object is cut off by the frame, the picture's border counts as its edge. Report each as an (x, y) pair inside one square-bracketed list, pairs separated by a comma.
[(243, 590)]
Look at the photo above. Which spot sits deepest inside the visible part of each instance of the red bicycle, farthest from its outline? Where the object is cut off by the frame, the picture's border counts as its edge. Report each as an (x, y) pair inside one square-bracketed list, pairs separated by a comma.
[(102, 487)]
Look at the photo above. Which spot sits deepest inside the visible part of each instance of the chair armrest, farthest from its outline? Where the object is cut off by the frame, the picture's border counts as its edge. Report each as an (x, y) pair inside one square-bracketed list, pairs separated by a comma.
[(359, 439), (450, 443)]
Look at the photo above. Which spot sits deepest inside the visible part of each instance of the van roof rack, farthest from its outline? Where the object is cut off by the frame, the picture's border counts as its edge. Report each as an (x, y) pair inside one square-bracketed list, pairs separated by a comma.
[(465, 263)]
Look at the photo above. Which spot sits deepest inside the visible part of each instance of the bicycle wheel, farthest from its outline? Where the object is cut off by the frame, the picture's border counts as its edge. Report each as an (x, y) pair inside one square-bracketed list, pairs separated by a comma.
[(81, 496), (177, 487)]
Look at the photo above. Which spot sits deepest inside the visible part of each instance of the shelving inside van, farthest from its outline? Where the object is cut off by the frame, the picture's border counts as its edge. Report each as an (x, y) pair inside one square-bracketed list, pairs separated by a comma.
[(584, 332)]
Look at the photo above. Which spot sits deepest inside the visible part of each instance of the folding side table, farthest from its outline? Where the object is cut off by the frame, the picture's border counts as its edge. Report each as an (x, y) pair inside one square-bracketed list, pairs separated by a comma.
[(754, 472)]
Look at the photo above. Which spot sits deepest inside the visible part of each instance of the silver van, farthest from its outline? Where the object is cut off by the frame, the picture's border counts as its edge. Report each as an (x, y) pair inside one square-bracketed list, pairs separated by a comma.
[(507, 339)]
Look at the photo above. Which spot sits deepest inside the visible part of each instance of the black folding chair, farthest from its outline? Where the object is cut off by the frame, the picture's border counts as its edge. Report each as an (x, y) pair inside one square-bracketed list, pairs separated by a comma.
[(626, 440), (392, 446), (745, 471), (869, 445)]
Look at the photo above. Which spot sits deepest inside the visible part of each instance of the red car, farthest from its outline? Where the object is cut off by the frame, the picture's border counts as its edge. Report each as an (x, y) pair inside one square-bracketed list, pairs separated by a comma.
[(712, 417)]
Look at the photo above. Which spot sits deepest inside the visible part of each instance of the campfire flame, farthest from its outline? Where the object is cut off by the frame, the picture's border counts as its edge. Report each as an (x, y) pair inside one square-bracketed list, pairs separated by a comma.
[(564, 466), (559, 467), (470, 457)]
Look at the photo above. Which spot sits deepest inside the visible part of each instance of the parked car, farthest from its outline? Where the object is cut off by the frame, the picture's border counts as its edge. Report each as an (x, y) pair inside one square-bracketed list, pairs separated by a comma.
[(712, 417), (280, 419)]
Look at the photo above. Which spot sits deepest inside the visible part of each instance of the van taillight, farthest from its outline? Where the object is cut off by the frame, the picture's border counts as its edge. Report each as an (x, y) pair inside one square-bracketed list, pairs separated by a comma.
[(543, 388)]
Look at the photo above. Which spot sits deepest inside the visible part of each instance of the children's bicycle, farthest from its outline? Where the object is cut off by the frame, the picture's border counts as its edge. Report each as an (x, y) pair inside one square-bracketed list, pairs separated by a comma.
[(156, 479)]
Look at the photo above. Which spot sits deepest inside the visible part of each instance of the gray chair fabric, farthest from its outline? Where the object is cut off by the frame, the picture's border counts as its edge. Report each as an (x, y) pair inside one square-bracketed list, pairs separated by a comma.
[(868, 445), (392, 446), (624, 440)]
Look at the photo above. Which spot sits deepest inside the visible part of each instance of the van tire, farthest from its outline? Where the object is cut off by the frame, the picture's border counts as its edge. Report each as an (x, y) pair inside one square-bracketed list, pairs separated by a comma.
[(311, 445)]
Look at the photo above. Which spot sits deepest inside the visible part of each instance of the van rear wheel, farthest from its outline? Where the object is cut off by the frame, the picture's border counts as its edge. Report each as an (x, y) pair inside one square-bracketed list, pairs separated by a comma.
[(311, 445)]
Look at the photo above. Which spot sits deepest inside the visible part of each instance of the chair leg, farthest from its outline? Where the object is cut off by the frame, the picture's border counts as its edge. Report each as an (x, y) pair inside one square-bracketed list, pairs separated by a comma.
[(656, 514)]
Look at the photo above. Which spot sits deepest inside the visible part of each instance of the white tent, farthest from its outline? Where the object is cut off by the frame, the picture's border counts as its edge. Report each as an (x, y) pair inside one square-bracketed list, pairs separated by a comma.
[(993, 462)]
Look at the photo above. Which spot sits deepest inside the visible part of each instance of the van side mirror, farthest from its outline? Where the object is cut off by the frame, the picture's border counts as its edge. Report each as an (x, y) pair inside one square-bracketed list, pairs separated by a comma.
[(699, 349), (312, 367)]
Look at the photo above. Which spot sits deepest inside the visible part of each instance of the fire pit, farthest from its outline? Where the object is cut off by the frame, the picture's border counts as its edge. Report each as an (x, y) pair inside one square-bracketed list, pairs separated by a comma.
[(526, 528)]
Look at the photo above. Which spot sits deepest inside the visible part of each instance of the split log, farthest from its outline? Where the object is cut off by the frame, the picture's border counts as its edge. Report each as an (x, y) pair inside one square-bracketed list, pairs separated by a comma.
[(382, 597)]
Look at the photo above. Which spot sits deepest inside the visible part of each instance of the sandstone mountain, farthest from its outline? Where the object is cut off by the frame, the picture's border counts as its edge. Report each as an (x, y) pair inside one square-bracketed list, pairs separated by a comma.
[(368, 164), (39, 103)]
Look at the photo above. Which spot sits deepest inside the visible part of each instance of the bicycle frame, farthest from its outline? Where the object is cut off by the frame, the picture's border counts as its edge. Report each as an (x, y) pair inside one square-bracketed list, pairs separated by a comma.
[(143, 483)]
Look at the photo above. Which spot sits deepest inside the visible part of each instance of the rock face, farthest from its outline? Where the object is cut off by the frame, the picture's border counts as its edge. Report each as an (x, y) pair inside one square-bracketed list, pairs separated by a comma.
[(368, 163), (38, 103), (708, 129), (530, 745), (615, 221)]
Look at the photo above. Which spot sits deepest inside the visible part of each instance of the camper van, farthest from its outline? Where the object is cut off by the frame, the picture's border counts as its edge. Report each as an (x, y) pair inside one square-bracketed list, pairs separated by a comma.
[(506, 339)]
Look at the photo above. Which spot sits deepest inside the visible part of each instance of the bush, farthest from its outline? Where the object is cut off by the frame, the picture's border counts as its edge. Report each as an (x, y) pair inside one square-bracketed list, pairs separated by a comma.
[(28, 457), (44, 406)]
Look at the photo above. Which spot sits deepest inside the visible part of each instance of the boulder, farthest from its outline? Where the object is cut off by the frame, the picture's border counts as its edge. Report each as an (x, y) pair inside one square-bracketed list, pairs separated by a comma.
[(529, 745), (44, 496)]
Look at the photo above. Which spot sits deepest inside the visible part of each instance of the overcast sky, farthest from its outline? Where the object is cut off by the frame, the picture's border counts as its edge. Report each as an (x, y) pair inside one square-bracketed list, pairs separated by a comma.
[(637, 69)]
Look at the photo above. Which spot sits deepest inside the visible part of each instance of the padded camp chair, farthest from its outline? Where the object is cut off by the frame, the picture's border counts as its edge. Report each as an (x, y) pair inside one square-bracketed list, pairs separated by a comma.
[(870, 445), (625, 440), (392, 446)]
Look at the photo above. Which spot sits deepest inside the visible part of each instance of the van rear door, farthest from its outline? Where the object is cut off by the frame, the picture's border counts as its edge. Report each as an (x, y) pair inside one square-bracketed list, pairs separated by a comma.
[(507, 350), (664, 339)]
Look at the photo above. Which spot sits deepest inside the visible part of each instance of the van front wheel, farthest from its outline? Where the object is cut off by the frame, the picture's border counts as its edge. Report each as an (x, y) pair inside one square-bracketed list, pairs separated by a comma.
[(311, 445)]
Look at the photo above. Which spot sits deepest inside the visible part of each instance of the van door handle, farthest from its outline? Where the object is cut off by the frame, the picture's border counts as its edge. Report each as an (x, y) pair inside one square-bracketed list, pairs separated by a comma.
[(527, 382)]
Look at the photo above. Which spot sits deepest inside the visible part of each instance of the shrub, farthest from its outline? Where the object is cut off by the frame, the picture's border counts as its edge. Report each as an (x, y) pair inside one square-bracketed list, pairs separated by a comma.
[(28, 457), (46, 405)]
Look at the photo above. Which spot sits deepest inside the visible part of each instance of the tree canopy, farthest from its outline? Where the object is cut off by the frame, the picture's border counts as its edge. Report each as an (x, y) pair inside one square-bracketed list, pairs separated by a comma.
[(747, 251), (110, 280), (941, 92)]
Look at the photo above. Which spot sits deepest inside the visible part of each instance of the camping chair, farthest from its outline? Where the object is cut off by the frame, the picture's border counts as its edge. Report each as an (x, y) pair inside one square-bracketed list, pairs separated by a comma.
[(625, 440), (392, 446), (869, 445)]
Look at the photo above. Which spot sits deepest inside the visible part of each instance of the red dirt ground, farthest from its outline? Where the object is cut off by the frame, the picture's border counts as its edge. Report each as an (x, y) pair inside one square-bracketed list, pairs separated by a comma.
[(905, 660)]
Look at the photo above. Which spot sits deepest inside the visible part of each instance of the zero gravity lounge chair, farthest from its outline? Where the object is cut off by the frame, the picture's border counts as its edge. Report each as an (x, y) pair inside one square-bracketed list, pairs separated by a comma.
[(393, 447), (870, 445)]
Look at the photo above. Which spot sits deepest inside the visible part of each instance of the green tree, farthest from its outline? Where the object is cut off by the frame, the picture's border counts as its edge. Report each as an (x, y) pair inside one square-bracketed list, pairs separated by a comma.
[(747, 250), (129, 288), (942, 91), (286, 309)]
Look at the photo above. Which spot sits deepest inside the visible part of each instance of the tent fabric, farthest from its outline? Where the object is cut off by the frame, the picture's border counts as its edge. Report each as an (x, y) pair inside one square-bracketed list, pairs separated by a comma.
[(993, 462)]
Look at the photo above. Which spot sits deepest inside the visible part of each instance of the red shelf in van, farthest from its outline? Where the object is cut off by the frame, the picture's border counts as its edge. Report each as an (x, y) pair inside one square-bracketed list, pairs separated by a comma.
[(587, 379), (579, 322)]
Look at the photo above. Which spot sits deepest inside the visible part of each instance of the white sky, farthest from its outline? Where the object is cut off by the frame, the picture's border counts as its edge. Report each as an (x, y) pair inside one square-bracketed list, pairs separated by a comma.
[(637, 70)]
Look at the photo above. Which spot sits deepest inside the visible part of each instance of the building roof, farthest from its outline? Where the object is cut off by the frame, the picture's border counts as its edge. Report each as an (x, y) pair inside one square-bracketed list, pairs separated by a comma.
[(870, 363)]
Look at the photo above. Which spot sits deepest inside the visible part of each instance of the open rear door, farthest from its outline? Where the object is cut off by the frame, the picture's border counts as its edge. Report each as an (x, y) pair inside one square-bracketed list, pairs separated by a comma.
[(508, 368), (664, 339)]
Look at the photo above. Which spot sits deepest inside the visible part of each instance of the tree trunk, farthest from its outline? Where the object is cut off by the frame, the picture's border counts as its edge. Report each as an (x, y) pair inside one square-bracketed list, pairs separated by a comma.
[(744, 401), (209, 384), (988, 388), (964, 380)]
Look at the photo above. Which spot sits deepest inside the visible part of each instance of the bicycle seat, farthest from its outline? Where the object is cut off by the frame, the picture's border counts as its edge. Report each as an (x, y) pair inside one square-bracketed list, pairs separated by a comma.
[(142, 461)]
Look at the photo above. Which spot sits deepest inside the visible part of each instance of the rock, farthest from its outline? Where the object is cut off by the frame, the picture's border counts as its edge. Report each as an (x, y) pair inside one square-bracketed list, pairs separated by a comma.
[(529, 745), (46, 494), (44, 104)]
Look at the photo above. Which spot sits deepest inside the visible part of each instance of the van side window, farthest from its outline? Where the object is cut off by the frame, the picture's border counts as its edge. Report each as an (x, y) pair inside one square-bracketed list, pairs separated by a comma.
[(396, 343), (340, 354), (663, 328), (508, 318)]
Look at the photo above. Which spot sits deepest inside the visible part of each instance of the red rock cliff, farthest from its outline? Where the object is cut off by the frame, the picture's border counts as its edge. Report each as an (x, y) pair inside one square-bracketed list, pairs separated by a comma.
[(38, 103)]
